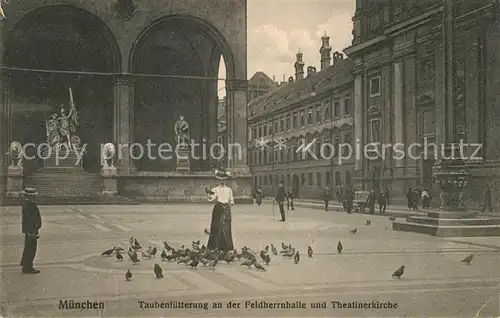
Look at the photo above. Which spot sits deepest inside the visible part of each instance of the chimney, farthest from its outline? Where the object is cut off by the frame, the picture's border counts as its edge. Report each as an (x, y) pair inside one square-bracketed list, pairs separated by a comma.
[(274, 78), (310, 70), (337, 56), (290, 79), (299, 66), (325, 52)]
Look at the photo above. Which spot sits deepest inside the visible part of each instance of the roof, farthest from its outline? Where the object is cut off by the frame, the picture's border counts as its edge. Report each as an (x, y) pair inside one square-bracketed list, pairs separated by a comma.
[(334, 76), (260, 78)]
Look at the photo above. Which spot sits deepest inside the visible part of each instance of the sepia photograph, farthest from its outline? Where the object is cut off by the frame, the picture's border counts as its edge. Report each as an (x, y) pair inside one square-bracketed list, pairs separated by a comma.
[(250, 158)]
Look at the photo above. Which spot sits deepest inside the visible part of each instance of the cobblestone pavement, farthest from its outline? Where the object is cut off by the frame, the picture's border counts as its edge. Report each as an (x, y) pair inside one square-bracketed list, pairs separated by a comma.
[(73, 237)]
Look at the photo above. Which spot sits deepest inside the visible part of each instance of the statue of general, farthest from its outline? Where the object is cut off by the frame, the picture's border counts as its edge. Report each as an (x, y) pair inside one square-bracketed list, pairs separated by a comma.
[(182, 132)]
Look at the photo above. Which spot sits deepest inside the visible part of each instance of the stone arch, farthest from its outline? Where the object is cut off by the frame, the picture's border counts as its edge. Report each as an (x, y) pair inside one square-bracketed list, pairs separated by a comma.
[(65, 42), (212, 31), (183, 52)]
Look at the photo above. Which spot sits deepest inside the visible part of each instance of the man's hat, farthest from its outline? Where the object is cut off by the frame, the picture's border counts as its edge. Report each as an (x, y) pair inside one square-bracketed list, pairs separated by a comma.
[(221, 174), (29, 191)]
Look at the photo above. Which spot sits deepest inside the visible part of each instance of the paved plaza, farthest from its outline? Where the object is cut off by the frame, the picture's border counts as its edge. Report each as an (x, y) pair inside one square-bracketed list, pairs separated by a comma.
[(73, 237)]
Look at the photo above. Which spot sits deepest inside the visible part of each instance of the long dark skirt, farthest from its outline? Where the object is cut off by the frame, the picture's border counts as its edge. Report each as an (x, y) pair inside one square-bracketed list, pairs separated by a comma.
[(221, 236)]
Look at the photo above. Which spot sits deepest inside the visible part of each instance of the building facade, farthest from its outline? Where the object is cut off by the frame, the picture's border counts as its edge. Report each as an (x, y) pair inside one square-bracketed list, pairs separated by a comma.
[(260, 84), (134, 70), (399, 90), (315, 107)]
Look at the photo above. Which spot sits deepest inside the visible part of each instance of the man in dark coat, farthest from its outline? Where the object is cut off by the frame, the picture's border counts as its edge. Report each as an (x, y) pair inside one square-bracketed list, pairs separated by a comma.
[(349, 195), (383, 198), (31, 224), (326, 197), (280, 198)]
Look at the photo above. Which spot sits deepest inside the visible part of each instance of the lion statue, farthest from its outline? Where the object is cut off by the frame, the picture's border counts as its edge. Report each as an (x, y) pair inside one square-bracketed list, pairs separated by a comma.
[(16, 154), (108, 155)]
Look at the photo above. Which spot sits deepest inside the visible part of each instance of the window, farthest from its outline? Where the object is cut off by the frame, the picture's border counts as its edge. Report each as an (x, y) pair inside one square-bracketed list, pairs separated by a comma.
[(271, 180), (348, 177), (318, 114), (327, 111), (347, 107), (276, 128), (302, 119), (265, 180), (337, 178), (347, 141), (375, 86), (260, 131), (255, 179), (302, 179), (261, 159), (294, 121), (336, 109), (318, 179), (317, 147), (336, 146), (282, 124), (328, 179), (265, 130), (375, 130), (255, 136), (310, 177), (310, 116), (288, 121)]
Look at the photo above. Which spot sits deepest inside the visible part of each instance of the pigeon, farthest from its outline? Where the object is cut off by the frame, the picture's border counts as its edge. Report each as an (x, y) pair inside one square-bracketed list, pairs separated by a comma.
[(197, 243), (368, 222), (153, 252), (339, 247), (213, 263), (148, 251), (289, 253), (296, 258), (145, 255), (108, 252), (204, 261), (136, 244), (170, 257), (195, 262), (262, 255), (354, 231), (309, 251), (399, 272), (119, 256), (268, 259), (230, 257), (131, 240), (392, 218), (259, 267), (133, 257), (184, 260), (163, 255), (283, 246), (119, 249), (167, 247), (158, 271), (128, 275), (274, 250), (248, 262), (468, 259), (206, 231)]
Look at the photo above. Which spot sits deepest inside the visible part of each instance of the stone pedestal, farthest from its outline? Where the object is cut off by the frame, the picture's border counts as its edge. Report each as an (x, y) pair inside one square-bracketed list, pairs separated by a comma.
[(63, 158), (182, 160), (14, 181), (108, 181)]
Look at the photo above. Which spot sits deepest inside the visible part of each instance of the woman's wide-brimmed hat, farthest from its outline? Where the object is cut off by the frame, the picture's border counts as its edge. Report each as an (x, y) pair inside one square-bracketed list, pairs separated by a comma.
[(221, 174), (29, 191)]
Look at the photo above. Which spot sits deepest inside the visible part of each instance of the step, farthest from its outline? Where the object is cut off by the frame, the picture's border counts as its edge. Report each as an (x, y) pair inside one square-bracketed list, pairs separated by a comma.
[(471, 221), (87, 200), (448, 231), (451, 215)]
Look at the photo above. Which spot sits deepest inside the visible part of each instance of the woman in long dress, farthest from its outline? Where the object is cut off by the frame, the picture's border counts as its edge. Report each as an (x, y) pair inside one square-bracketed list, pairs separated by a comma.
[(220, 229)]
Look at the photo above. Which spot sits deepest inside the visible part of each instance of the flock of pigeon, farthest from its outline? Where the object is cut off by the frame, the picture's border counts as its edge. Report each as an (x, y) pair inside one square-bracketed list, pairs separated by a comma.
[(209, 258)]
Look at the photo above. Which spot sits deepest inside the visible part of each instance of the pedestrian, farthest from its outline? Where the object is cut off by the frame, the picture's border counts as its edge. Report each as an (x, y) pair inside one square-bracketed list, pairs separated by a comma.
[(416, 199), (409, 197), (382, 202), (31, 224), (326, 197), (221, 236), (258, 196), (349, 198), (487, 200), (289, 200), (339, 194), (371, 201), (280, 199), (425, 198)]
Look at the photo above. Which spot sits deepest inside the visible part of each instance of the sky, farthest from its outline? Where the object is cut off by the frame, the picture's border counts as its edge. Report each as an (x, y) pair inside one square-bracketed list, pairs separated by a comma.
[(277, 29)]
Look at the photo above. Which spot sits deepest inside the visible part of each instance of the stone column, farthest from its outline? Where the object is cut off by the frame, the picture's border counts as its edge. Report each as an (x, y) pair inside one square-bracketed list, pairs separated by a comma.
[(398, 109), (358, 122), (3, 119), (410, 112), (237, 139), (123, 123), (472, 97)]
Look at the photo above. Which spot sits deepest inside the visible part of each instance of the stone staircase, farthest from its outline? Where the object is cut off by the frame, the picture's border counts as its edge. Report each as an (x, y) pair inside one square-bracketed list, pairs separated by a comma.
[(64, 182)]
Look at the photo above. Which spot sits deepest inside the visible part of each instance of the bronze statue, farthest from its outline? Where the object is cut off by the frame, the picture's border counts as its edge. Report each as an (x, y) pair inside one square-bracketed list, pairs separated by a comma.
[(182, 132)]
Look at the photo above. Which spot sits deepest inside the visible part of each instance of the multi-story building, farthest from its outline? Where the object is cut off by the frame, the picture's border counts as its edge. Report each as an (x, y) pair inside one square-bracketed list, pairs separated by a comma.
[(316, 107), (401, 88), (260, 84)]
